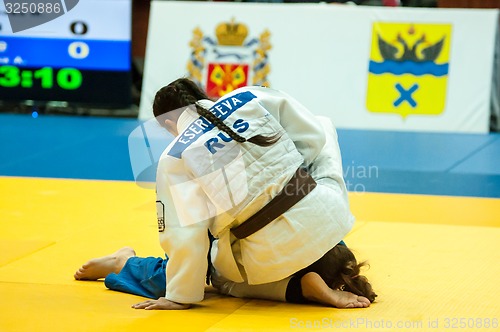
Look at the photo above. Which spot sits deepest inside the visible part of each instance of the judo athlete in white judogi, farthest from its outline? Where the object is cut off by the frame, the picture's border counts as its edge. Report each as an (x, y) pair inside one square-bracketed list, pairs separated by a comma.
[(217, 174)]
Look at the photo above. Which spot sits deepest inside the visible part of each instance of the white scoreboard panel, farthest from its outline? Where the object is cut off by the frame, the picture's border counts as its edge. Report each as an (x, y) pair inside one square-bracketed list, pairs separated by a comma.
[(82, 55)]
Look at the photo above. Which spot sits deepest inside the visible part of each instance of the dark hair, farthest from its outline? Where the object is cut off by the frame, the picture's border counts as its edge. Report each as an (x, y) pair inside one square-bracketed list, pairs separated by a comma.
[(340, 270), (184, 92)]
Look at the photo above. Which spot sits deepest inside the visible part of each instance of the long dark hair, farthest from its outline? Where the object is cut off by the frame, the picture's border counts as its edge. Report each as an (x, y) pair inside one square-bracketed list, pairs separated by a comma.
[(340, 270), (184, 92)]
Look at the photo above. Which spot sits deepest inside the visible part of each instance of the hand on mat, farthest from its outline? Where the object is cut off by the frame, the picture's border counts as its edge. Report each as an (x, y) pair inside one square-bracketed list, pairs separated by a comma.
[(161, 304)]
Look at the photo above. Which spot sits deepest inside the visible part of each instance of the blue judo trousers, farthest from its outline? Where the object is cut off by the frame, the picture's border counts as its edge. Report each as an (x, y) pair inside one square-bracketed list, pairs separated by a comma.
[(144, 276), (140, 276)]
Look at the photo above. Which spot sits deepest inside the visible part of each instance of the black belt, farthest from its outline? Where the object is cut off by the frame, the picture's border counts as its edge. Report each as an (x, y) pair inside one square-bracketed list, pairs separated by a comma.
[(297, 188)]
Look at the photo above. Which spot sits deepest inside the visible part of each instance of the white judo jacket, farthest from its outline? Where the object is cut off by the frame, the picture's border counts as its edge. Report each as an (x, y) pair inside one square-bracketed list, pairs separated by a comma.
[(207, 181)]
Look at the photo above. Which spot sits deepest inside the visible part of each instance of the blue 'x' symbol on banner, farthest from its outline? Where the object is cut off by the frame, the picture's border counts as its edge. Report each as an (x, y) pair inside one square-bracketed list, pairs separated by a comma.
[(406, 95)]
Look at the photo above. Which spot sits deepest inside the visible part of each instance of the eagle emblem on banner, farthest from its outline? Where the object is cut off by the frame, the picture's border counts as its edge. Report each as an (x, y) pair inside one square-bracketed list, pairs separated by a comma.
[(229, 61), (408, 69)]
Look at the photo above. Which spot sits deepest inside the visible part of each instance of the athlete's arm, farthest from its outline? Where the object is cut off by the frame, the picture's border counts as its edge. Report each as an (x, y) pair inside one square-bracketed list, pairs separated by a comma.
[(184, 238)]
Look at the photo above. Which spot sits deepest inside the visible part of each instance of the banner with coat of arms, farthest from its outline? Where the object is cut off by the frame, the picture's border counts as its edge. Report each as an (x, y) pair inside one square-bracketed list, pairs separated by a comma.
[(364, 67)]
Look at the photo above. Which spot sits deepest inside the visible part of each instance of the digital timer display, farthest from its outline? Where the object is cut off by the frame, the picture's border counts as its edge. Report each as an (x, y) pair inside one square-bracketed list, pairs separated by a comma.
[(81, 57), (46, 77)]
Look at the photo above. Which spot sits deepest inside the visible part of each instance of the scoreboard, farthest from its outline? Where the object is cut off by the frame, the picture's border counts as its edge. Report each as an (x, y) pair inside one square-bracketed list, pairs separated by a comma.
[(81, 56)]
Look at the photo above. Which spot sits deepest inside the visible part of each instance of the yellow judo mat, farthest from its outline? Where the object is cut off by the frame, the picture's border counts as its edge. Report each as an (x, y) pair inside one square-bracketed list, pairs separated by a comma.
[(435, 264)]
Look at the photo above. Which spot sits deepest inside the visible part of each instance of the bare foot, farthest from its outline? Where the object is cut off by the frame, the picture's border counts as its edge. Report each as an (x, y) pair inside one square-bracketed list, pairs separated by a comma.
[(315, 289), (100, 267)]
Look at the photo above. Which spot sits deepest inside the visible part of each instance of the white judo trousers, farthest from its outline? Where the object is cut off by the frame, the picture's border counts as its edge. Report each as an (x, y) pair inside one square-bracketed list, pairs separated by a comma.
[(207, 181)]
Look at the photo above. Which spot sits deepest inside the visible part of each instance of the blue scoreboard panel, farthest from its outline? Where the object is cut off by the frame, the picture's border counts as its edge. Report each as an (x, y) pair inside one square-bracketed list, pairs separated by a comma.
[(83, 56)]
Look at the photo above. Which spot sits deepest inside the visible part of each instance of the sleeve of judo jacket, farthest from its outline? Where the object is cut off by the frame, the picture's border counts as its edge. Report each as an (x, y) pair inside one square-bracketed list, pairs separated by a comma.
[(184, 236)]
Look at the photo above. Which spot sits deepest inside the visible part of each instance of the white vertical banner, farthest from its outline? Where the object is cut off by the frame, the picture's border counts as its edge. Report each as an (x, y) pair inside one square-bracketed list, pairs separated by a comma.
[(413, 69)]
